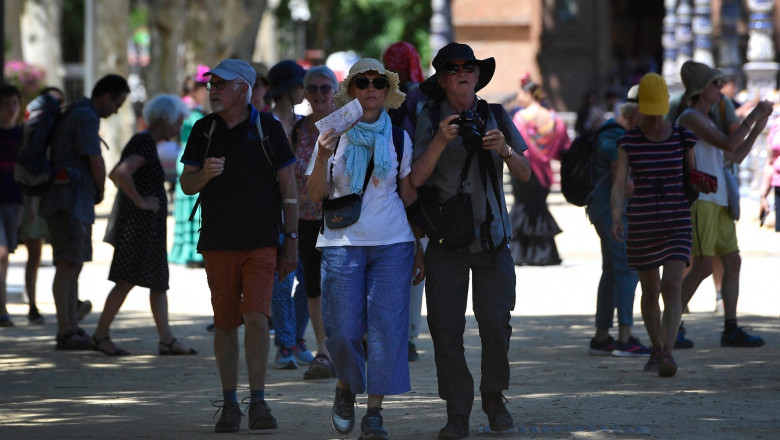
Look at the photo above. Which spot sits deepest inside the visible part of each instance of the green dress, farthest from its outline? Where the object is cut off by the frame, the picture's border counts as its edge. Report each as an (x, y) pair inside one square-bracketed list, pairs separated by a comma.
[(185, 232)]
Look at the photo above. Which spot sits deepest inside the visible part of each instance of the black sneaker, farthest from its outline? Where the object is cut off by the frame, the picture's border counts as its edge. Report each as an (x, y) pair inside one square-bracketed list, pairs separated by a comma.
[(84, 307), (740, 338), (601, 348), (230, 419), (499, 419), (72, 341), (5, 321), (682, 341), (34, 317), (260, 416), (457, 427), (342, 417), (371, 425), (413, 355)]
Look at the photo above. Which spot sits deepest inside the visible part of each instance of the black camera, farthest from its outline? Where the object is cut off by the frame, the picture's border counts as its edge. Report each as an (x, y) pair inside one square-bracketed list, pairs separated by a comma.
[(471, 129)]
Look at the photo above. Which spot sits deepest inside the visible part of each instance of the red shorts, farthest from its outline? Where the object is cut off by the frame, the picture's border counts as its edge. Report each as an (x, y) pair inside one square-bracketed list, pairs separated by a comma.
[(240, 282)]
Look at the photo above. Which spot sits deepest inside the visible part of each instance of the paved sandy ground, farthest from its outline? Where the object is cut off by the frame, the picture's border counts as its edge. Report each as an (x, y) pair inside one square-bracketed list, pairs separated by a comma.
[(557, 391)]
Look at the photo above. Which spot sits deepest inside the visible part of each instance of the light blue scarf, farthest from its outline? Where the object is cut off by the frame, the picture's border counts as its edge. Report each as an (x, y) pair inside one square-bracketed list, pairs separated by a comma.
[(361, 141)]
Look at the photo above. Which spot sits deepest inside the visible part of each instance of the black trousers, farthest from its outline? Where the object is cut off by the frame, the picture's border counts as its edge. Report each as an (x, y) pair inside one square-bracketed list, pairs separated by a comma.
[(493, 298)]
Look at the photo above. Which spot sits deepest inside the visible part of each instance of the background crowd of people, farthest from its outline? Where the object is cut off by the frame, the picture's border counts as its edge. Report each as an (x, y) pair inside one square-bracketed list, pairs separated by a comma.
[(261, 191)]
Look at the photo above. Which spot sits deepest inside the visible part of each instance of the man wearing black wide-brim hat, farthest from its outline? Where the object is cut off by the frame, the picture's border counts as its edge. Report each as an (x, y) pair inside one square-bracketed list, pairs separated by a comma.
[(461, 144)]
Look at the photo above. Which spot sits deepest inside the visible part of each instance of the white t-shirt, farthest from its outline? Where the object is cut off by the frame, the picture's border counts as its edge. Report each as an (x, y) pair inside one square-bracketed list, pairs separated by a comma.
[(382, 217), (710, 160)]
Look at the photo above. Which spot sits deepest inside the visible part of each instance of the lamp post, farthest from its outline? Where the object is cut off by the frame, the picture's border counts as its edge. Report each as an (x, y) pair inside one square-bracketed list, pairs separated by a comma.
[(300, 14)]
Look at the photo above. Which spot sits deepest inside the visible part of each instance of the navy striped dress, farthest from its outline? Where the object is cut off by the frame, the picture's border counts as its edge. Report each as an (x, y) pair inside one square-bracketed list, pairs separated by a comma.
[(659, 217)]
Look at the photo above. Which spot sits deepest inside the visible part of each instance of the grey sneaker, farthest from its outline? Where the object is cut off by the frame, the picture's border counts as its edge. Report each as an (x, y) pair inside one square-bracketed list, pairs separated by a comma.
[(230, 419), (260, 416), (499, 419), (371, 425), (343, 415)]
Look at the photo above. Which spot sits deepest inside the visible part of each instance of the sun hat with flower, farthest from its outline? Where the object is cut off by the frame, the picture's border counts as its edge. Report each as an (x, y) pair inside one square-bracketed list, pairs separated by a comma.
[(395, 97)]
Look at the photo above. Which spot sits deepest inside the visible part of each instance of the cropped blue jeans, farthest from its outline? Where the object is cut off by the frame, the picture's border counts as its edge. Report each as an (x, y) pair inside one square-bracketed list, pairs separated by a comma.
[(365, 290)]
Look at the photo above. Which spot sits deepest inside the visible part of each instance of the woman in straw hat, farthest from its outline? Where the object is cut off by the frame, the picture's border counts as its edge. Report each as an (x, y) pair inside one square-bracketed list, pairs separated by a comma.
[(366, 266), (659, 218)]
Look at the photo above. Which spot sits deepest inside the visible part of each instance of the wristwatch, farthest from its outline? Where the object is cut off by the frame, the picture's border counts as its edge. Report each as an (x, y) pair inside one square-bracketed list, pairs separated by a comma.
[(291, 235), (508, 155)]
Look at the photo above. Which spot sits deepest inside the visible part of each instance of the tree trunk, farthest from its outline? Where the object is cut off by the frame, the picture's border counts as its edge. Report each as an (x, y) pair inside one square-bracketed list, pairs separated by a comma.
[(40, 37), (111, 57), (166, 31), (13, 31)]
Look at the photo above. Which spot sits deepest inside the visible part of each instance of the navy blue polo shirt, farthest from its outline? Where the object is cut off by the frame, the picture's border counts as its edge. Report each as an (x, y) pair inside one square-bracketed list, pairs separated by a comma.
[(240, 209)]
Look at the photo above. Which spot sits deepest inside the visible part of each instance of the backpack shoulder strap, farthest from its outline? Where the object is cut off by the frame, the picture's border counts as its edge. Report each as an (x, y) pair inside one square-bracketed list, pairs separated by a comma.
[(496, 109), (398, 143), (205, 155), (434, 114), (266, 151)]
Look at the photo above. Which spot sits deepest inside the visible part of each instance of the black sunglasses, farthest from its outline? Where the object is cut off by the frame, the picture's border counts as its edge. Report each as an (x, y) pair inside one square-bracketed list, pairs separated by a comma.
[(380, 82), (452, 68), (324, 89)]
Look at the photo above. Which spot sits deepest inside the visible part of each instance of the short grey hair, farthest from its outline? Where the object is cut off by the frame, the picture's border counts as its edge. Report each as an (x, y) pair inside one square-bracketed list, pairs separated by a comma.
[(164, 109), (321, 71), (628, 109), (248, 97)]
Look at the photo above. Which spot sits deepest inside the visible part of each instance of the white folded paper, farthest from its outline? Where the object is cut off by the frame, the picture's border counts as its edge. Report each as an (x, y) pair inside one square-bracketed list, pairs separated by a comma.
[(342, 119)]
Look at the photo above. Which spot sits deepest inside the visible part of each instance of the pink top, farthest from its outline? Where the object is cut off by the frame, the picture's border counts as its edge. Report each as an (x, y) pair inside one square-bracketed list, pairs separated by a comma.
[(773, 138), (544, 144)]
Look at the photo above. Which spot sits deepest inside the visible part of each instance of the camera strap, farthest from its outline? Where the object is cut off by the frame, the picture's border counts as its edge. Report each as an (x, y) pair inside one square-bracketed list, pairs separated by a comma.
[(485, 161), (486, 167)]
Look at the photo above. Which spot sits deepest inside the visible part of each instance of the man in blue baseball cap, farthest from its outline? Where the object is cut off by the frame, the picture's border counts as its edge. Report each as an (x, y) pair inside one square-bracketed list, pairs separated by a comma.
[(244, 179)]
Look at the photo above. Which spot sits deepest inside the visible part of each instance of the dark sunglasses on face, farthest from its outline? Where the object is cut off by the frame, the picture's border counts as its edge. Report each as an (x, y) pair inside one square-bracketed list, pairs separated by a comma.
[(323, 89), (218, 85), (452, 69), (362, 83)]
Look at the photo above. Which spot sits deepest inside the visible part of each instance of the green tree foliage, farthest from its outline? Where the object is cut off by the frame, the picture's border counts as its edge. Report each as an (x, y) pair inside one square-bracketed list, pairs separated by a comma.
[(365, 26)]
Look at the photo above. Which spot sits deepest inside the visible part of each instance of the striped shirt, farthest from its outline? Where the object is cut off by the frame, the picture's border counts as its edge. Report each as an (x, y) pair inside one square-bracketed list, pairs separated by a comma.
[(659, 217)]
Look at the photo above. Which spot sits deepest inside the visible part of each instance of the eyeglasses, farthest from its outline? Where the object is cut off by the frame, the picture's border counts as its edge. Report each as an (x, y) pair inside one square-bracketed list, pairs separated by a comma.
[(380, 82), (219, 85), (323, 89), (453, 69)]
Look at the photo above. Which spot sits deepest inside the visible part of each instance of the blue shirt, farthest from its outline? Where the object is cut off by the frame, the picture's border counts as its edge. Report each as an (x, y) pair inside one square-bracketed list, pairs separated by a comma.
[(75, 139)]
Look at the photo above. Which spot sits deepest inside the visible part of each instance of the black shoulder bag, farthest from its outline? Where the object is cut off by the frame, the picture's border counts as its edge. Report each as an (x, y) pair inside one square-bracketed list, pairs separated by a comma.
[(345, 210)]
